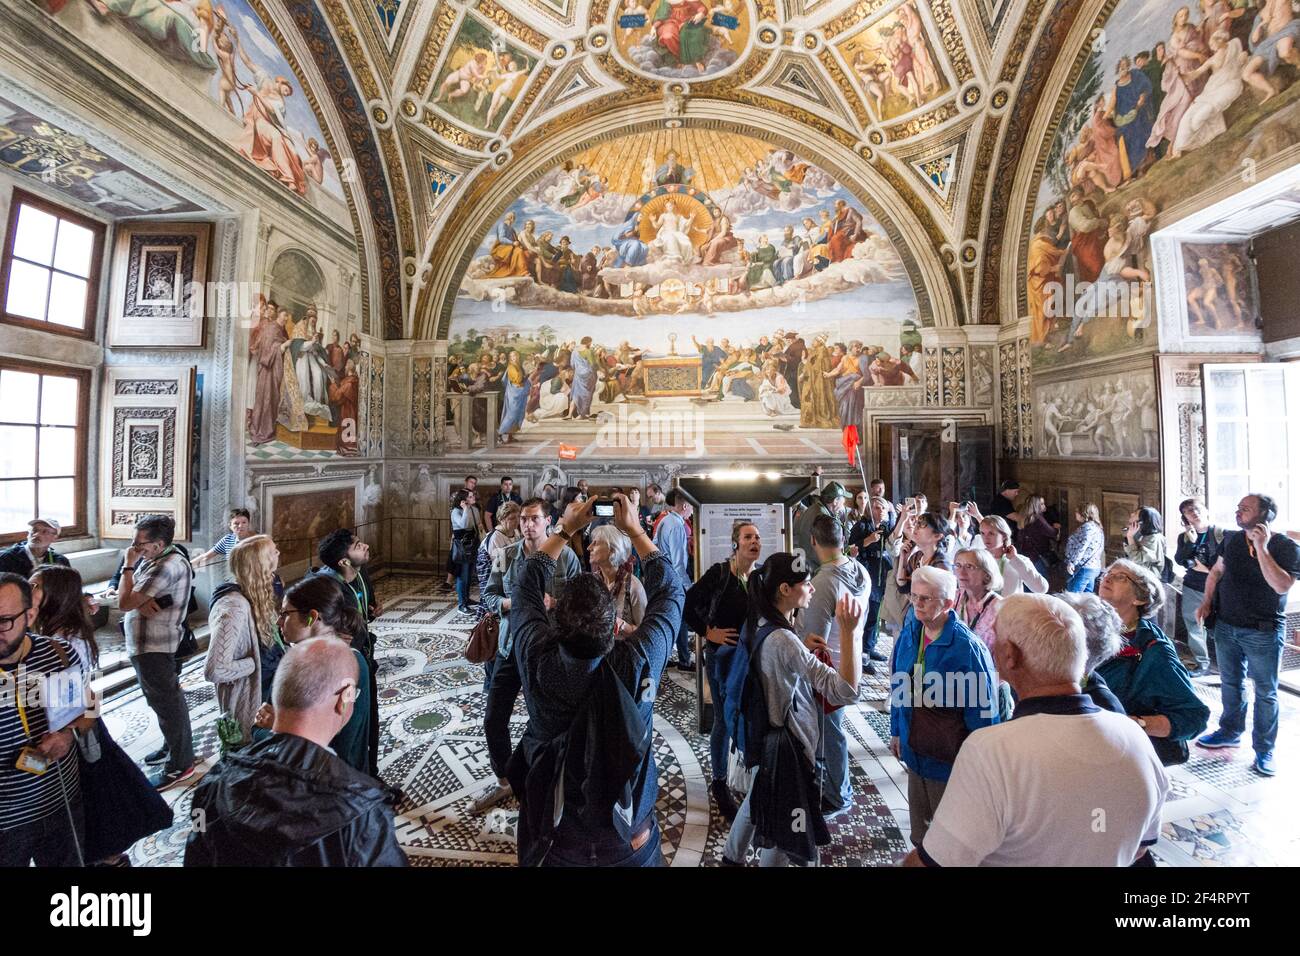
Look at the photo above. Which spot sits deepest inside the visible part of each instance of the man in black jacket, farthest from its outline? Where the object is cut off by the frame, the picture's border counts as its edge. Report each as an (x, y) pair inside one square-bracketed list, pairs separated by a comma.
[(289, 800), (23, 557), (590, 697)]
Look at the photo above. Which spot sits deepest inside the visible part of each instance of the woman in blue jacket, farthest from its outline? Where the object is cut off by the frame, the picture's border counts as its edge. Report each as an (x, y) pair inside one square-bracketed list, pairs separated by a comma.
[(1146, 675), (937, 663)]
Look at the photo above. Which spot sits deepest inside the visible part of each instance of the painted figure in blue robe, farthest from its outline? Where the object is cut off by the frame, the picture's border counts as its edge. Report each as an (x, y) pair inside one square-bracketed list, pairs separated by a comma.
[(1134, 113), (789, 261), (516, 398), (711, 357), (583, 389), (631, 250), (672, 172)]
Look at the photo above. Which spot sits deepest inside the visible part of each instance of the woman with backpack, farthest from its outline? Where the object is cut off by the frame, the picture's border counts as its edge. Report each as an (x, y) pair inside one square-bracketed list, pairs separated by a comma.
[(1198, 549), (243, 624), (464, 544), (777, 709), (716, 607)]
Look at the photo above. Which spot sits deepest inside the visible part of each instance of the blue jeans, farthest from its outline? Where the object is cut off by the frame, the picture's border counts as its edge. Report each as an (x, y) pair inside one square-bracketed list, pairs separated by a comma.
[(1041, 564), (684, 644), (1083, 580), (463, 572), (833, 761), (567, 853), (871, 629), (1243, 651), (1191, 600), (742, 835), (719, 739)]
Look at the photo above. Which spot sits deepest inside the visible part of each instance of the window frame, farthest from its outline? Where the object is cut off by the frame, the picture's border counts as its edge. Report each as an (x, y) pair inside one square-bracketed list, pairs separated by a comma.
[(1288, 496), (18, 199), (80, 527)]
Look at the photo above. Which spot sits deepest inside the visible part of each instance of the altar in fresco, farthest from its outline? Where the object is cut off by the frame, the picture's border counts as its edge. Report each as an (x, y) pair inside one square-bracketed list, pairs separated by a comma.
[(685, 267)]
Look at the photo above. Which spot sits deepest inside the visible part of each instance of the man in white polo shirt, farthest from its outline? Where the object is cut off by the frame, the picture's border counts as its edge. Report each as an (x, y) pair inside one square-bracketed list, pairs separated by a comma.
[(1063, 783)]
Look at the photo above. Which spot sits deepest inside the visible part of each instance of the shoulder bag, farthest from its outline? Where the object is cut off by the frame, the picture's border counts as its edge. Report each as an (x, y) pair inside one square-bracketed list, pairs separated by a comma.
[(934, 732)]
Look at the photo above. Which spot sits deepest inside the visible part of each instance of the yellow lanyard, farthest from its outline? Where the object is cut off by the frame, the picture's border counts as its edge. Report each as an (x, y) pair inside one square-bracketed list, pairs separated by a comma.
[(18, 699)]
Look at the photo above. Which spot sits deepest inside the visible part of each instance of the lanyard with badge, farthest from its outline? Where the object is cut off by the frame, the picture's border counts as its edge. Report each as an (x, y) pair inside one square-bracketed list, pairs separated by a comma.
[(30, 760)]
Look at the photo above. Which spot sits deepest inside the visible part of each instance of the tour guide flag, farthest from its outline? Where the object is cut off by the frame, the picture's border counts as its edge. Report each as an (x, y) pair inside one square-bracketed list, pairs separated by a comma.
[(568, 452), (850, 440)]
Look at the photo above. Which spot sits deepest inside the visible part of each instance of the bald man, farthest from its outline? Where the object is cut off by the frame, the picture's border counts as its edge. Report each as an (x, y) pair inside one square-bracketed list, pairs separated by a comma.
[(289, 800)]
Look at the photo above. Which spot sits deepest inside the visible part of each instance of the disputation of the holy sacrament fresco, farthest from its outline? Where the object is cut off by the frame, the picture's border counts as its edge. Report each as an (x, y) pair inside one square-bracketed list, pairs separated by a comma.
[(1173, 100), (685, 268)]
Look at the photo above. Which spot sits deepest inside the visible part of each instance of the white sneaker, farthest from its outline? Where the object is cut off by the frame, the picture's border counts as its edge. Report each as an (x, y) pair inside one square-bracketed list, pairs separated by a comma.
[(497, 794)]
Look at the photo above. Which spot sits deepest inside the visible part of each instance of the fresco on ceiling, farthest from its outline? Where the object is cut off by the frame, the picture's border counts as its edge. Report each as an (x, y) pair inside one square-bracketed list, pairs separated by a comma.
[(682, 39), (686, 269), (1173, 101), (225, 51), (36, 148), (895, 64), (1221, 296), (481, 78)]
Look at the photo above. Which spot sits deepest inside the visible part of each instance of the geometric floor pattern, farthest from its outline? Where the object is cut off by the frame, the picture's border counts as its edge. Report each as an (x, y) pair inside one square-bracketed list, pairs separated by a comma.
[(432, 746)]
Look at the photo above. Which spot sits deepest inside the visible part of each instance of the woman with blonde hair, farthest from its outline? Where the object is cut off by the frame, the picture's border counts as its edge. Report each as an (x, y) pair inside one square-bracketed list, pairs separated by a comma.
[(243, 625), (1085, 552), (1017, 571)]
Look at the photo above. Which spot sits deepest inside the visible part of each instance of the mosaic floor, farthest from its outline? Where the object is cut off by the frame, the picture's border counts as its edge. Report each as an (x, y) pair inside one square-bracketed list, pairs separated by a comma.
[(432, 746)]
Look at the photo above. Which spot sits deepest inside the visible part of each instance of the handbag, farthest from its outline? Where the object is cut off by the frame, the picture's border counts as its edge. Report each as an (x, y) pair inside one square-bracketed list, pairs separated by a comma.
[(1170, 752), (121, 807), (934, 732), (482, 646)]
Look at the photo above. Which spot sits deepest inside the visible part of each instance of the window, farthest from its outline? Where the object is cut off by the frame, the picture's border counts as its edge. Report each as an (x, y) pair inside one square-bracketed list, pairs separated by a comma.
[(51, 267), (43, 412), (1252, 438)]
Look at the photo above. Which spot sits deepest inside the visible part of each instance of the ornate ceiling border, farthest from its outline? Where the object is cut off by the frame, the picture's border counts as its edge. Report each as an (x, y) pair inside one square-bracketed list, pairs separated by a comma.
[(1059, 21), (492, 192), (354, 117)]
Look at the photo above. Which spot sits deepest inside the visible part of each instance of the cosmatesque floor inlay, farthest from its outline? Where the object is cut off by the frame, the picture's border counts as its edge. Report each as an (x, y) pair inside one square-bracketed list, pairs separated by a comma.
[(432, 746)]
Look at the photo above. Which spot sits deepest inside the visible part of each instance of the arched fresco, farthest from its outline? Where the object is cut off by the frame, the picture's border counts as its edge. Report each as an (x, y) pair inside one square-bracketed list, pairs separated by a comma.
[(698, 271)]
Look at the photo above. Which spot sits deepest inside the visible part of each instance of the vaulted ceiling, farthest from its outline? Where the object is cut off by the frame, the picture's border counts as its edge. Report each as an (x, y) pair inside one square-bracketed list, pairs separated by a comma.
[(437, 154)]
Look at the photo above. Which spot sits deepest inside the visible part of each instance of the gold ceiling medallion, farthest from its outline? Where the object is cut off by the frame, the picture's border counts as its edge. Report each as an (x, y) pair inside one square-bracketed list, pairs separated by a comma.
[(682, 39)]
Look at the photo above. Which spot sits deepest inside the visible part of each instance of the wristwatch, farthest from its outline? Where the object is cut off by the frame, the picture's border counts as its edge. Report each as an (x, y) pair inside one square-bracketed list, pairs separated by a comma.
[(566, 535)]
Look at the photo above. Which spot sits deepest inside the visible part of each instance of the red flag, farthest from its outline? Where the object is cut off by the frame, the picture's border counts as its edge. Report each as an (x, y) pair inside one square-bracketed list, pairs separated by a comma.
[(850, 441), (568, 452)]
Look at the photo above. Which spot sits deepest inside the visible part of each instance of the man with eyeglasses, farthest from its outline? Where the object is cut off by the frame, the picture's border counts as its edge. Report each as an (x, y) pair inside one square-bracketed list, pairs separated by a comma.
[(155, 597), (41, 815), (26, 556), (502, 682), (289, 800)]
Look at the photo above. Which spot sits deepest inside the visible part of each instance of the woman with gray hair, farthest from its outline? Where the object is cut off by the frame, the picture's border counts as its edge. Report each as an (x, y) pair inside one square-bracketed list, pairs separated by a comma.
[(611, 554), (1101, 626), (1146, 675), (978, 584)]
